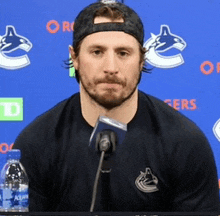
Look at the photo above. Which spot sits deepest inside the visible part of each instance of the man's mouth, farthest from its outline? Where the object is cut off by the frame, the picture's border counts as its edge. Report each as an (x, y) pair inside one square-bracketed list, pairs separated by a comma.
[(110, 85)]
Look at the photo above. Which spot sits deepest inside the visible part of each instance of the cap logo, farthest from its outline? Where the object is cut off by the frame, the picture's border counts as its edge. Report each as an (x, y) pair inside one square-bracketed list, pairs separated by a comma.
[(108, 1)]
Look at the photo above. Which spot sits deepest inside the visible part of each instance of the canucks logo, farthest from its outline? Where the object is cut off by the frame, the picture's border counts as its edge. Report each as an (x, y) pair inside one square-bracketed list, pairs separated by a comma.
[(161, 43), (216, 130), (147, 182), (10, 42)]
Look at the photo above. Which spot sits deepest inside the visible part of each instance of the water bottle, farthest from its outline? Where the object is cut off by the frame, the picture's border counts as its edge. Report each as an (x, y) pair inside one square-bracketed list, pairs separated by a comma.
[(14, 184)]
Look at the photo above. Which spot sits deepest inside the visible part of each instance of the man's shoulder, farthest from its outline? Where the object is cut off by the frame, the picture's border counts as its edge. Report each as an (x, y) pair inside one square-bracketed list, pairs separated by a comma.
[(49, 121), (157, 106), (166, 118), (56, 111), (176, 131)]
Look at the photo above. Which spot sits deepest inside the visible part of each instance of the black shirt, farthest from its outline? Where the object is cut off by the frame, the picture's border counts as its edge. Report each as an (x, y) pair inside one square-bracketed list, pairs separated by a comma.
[(165, 163)]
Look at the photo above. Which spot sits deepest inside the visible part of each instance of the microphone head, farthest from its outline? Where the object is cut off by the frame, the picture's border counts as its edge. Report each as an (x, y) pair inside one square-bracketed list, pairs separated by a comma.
[(105, 123)]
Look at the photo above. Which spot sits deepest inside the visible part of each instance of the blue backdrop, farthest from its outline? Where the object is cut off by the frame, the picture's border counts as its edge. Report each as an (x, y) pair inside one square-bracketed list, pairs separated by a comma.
[(183, 41)]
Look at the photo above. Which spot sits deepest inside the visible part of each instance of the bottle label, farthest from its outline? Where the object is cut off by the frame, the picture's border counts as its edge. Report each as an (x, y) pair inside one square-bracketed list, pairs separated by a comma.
[(17, 199), (7, 198), (0, 197), (20, 198)]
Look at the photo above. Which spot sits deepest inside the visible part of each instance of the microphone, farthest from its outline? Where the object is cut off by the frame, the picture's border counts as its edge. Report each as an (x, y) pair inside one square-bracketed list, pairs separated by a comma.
[(106, 134), (107, 131)]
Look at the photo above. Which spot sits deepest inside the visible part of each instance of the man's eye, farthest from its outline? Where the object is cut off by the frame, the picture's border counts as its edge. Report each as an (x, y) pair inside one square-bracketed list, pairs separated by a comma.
[(123, 53), (97, 52)]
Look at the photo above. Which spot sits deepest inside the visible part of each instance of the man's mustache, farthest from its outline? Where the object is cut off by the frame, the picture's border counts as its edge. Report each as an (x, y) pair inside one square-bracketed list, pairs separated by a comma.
[(110, 80)]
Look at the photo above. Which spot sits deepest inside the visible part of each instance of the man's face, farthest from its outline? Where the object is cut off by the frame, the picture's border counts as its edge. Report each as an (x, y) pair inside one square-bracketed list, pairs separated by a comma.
[(109, 66)]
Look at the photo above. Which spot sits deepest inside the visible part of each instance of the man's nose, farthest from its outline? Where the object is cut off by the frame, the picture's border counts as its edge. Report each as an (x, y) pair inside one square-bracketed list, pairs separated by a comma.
[(111, 64)]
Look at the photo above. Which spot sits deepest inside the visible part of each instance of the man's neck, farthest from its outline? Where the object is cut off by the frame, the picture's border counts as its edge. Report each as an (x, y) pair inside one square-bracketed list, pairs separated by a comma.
[(123, 113)]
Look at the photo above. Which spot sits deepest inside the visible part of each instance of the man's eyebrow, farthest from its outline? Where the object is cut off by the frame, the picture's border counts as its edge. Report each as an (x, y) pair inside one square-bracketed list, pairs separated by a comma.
[(121, 47), (129, 48), (96, 46)]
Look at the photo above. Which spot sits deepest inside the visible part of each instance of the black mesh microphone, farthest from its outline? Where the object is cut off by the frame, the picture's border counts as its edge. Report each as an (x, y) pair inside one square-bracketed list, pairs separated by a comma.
[(103, 129)]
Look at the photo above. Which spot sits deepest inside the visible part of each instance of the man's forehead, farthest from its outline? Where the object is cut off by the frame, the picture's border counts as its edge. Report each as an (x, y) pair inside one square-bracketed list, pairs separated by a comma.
[(111, 38), (101, 19)]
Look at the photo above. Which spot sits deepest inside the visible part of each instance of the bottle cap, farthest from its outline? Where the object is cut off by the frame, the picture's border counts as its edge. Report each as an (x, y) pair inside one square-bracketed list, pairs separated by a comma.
[(14, 154)]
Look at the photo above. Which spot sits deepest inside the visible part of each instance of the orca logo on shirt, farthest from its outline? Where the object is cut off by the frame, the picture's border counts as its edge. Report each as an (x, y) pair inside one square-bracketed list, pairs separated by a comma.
[(147, 182), (162, 43)]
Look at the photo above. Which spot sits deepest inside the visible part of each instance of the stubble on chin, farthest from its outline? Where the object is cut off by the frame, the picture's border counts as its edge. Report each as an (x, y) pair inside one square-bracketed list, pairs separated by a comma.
[(109, 99)]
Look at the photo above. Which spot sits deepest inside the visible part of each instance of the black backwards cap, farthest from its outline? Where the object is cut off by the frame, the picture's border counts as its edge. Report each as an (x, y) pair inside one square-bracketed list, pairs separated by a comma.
[(84, 22)]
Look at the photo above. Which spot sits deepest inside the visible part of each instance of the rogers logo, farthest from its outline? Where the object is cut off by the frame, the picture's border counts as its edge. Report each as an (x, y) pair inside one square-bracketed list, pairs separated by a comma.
[(208, 67), (54, 26), (4, 147), (182, 104)]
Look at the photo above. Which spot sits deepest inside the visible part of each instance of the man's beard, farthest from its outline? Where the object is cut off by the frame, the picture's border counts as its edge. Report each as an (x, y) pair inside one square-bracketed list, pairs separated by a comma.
[(108, 100)]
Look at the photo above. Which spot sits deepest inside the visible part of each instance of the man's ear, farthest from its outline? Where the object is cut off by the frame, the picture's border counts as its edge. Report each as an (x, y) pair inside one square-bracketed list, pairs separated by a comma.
[(141, 65), (73, 57)]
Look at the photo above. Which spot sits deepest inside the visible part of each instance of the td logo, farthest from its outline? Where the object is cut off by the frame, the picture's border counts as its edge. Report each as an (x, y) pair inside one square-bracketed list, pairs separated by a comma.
[(11, 109)]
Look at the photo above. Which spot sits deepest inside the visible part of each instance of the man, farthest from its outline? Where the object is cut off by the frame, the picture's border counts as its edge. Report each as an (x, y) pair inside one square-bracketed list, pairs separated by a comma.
[(165, 163)]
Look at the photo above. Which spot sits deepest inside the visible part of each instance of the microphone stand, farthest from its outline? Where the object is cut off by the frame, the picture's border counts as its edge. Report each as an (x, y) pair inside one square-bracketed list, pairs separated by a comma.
[(105, 143)]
